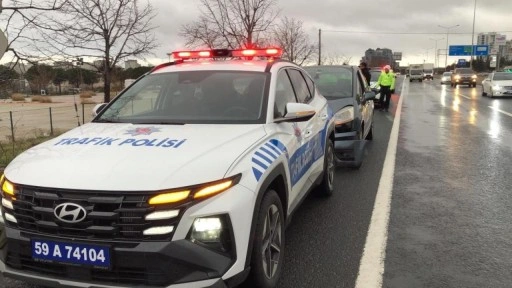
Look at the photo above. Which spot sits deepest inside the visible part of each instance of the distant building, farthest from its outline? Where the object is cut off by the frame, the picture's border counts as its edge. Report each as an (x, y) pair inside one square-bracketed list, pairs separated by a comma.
[(490, 39), (131, 64), (379, 57), (507, 51)]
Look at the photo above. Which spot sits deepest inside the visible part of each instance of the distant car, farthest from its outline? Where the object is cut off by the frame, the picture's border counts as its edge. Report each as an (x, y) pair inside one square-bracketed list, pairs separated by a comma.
[(374, 86), (497, 84), (463, 76), (351, 102), (446, 78), (416, 74)]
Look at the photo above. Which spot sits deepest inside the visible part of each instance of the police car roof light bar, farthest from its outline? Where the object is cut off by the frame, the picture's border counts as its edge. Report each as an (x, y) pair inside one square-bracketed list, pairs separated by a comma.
[(260, 52)]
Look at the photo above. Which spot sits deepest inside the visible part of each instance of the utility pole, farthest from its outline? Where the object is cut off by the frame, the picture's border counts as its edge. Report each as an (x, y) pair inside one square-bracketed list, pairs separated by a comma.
[(436, 59), (319, 47), (473, 37)]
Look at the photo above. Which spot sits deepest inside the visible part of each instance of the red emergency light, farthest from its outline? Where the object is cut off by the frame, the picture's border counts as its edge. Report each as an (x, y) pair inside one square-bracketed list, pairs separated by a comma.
[(264, 52), (224, 53)]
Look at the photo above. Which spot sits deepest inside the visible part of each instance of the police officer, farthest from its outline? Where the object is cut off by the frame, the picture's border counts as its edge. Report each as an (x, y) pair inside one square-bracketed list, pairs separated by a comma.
[(387, 87)]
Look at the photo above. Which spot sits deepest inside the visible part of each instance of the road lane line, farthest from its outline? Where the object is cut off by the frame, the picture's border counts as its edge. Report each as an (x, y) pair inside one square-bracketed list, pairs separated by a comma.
[(462, 95), (501, 111), (371, 267)]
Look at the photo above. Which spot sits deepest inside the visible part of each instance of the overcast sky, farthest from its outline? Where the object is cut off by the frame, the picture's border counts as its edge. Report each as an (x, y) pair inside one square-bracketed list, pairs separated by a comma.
[(408, 16)]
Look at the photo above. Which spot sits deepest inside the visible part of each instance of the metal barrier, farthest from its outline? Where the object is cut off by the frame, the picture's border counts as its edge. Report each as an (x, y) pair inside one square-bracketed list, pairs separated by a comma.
[(31, 123)]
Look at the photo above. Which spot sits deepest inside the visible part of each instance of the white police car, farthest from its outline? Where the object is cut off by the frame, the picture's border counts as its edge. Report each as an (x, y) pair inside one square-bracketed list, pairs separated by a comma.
[(187, 179)]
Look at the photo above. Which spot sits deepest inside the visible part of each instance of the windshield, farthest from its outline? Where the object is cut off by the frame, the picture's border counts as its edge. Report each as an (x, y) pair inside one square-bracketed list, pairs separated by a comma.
[(465, 71), (332, 82), (447, 73), (502, 76), (203, 97), (416, 72), (375, 75)]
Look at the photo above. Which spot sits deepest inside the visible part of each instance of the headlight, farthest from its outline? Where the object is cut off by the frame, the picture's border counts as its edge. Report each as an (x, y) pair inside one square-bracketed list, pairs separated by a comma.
[(343, 116), (457, 77), (7, 187), (189, 194), (496, 87), (214, 232), (474, 76)]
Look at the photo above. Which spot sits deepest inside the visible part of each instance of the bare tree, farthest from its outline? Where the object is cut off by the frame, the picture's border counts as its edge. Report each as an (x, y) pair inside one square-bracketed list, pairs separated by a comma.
[(108, 30), (230, 23), (335, 59), (18, 19), (291, 37)]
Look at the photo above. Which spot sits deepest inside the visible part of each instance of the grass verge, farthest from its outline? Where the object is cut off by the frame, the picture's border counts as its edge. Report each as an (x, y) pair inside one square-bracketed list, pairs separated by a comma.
[(9, 150)]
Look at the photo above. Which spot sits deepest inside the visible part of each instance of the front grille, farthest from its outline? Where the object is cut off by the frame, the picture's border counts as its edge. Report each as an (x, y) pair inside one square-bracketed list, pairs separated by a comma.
[(118, 274), (110, 215)]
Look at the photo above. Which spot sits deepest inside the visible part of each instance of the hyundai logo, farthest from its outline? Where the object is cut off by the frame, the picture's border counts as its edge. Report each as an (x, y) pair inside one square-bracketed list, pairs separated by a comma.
[(70, 212)]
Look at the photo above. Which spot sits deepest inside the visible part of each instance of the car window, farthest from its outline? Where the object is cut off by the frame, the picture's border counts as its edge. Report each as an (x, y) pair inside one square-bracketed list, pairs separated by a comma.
[(299, 84), (201, 97), (332, 82), (447, 73), (502, 76), (361, 85), (310, 83), (284, 94)]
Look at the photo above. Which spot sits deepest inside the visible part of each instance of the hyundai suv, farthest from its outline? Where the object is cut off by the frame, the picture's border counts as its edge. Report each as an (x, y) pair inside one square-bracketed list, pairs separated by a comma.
[(186, 179)]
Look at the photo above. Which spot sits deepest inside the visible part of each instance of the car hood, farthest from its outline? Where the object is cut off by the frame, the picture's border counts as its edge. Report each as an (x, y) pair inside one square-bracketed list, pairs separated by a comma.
[(338, 104), (502, 82), (127, 157)]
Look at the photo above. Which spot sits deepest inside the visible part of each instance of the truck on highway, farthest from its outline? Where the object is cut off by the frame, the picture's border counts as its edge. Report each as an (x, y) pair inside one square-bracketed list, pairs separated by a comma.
[(415, 72), (428, 71)]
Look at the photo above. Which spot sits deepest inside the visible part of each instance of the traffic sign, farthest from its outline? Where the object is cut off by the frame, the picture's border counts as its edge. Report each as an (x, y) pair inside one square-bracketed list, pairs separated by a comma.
[(465, 50), (461, 63)]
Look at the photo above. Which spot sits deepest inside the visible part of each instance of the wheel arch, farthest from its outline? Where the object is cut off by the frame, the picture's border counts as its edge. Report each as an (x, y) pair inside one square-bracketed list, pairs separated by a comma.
[(277, 181)]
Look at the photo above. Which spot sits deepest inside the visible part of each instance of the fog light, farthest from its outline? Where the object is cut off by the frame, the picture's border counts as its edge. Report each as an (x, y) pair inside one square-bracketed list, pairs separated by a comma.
[(158, 230), (7, 204), (207, 229), (162, 215), (10, 218), (212, 232)]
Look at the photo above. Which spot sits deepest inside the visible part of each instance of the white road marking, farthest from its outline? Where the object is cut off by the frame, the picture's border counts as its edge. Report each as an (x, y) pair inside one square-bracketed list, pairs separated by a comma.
[(371, 267), (501, 111), (462, 95)]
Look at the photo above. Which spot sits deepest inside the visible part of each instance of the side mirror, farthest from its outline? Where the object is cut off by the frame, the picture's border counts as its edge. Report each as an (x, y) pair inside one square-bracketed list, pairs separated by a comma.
[(370, 95), (97, 109), (297, 112)]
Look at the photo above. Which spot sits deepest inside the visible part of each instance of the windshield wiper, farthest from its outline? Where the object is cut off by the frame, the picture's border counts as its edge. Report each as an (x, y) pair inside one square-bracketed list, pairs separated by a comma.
[(106, 121), (160, 123)]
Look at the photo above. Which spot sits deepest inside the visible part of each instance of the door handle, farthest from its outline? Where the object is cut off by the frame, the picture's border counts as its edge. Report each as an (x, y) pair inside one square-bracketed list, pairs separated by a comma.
[(324, 117)]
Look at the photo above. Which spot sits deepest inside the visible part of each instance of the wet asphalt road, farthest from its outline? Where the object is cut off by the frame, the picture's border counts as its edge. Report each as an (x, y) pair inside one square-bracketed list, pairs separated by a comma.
[(451, 211), (451, 219)]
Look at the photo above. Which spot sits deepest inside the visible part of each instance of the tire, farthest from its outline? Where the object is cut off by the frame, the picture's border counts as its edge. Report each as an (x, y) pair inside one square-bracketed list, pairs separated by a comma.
[(474, 85), (421, 80), (483, 93), (326, 187), (451, 84), (269, 242), (370, 133), (410, 80)]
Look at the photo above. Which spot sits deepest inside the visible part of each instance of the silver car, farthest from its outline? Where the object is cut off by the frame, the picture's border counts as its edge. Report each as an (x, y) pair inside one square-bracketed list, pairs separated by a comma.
[(446, 78), (497, 84)]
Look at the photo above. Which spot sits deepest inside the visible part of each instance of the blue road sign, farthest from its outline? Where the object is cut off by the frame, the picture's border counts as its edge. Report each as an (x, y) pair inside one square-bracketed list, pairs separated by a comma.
[(465, 50), (461, 63)]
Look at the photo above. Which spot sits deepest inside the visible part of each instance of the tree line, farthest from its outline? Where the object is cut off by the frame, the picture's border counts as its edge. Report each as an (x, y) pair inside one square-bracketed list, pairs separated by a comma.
[(40, 76)]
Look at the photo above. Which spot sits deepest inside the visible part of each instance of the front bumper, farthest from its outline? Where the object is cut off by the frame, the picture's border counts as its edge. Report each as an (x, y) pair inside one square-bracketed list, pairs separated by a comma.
[(465, 81), (349, 149), (145, 264), (502, 93)]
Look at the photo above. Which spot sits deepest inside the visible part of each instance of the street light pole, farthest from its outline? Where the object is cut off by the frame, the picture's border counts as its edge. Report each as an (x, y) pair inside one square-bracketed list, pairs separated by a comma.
[(437, 53), (473, 37), (447, 41)]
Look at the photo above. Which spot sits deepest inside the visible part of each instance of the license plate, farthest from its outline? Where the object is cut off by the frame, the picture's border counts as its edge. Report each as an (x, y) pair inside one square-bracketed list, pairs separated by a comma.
[(71, 253)]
